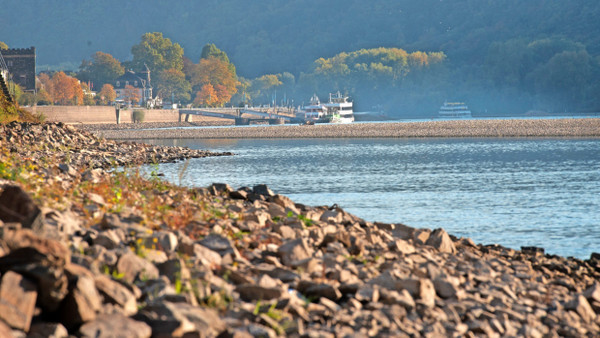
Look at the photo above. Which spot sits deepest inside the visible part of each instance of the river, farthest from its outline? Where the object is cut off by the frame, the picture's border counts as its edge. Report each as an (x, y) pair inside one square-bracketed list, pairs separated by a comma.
[(512, 192)]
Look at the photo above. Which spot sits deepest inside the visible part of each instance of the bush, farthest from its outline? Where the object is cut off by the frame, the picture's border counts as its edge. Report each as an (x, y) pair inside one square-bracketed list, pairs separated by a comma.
[(138, 116)]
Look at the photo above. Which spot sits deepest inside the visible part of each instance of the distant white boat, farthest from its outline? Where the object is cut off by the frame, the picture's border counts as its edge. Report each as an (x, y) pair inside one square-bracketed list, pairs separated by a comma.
[(454, 109), (337, 110)]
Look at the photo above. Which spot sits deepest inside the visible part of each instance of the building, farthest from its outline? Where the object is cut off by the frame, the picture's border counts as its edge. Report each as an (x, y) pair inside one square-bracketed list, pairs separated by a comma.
[(21, 66), (141, 87)]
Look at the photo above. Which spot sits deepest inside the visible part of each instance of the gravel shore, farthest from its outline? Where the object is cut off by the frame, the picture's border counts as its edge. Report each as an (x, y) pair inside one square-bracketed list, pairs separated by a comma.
[(89, 252), (586, 127)]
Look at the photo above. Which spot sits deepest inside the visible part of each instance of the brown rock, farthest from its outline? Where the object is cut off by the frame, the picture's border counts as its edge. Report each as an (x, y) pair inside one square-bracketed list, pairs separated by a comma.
[(251, 292), (206, 256), (17, 206), (312, 289), (115, 293), (47, 330), (440, 240), (427, 292), (5, 330), (17, 300), (42, 260), (82, 303), (446, 286), (580, 305), (115, 325), (294, 251), (178, 319), (133, 267)]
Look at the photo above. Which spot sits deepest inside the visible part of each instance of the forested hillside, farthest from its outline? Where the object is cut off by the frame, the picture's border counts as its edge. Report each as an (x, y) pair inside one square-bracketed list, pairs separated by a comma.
[(499, 53)]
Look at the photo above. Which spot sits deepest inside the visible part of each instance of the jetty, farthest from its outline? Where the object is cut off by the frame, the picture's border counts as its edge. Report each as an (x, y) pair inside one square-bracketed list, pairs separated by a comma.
[(242, 116)]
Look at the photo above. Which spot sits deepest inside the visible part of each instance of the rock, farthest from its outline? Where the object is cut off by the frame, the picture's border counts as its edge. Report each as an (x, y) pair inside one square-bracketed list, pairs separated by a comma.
[(263, 189), (174, 269), (115, 325), (17, 206), (593, 292), (402, 247), (219, 244), (206, 256), (332, 216), (580, 305), (178, 319), (312, 289), (446, 286), (17, 300), (82, 303), (46, 330), (293, 251), (427, 292), (251, 292), (133, 268), (115, 293), (67, 169), (166, 241), (42, 260), (440, 240)]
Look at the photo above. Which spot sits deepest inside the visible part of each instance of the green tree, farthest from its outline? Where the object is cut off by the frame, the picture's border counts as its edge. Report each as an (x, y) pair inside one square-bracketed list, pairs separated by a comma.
[(172, 83), (210, 50), (158, 53), (103, 68)]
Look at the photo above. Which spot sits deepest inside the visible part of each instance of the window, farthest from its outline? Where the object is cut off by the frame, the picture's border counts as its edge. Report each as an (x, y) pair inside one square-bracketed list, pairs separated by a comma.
[(118, 83), (135, 83), (9, 63), (127, 83)]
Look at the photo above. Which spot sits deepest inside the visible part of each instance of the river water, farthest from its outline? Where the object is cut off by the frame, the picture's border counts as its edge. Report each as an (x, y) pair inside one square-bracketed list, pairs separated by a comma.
[(513, 192)]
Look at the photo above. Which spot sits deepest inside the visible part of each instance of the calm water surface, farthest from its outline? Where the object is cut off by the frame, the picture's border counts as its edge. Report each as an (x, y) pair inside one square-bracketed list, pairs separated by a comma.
[(514, 192)]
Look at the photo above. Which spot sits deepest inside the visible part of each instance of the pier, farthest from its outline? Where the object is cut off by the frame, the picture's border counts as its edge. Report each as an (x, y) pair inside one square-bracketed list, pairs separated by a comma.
[(242, 116)]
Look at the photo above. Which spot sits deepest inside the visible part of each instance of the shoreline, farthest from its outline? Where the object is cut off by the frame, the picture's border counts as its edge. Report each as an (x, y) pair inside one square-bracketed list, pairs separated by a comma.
[(86, 251), (578, 127)]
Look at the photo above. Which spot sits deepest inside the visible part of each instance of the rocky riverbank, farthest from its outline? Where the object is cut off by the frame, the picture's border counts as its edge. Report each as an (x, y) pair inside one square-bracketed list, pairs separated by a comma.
[(88, 252), (583, 127)]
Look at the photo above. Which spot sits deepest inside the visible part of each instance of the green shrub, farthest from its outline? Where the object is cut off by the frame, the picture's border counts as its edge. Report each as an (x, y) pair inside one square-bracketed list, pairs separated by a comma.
[(138, 116)]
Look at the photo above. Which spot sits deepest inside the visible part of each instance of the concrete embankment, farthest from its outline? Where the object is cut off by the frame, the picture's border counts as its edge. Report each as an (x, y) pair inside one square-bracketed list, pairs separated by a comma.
[(586, 127), (93, 253)]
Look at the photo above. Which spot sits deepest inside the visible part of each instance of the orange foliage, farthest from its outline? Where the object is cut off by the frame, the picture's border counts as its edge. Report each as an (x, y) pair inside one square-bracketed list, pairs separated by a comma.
[(107, 93), (218, 73), (65, 90), (207, 96), (131, 94)]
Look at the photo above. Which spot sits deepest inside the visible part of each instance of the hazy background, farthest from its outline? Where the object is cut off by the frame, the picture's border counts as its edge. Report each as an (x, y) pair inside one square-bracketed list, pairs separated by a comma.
[(501, 57)]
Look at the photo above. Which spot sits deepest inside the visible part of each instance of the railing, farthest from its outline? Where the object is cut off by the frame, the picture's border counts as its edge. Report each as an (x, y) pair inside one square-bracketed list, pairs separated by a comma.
[(3, 66)]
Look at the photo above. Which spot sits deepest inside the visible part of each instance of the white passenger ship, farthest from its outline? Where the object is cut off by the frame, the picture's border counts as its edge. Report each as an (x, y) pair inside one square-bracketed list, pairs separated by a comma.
[(454, 109), (337, 110)]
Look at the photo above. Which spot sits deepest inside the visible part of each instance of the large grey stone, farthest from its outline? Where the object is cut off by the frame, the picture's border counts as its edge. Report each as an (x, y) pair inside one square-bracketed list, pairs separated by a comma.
[(134, 267), (440, 240), (293, 251)]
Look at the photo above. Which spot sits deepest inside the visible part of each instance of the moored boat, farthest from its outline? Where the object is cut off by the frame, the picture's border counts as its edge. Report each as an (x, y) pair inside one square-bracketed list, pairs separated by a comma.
[(454, 110), (337, 110)]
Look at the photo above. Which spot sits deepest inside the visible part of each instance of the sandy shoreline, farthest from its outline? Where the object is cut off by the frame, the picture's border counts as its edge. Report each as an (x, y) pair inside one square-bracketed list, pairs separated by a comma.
[(582, 127)]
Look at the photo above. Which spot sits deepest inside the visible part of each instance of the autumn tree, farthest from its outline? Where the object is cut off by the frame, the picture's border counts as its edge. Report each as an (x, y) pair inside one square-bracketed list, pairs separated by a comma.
[(107, 94), (131, 94), (215, 72), (65, 90), (172, 84), (207, 96), (3, 45), (103, 68), (210, 50)]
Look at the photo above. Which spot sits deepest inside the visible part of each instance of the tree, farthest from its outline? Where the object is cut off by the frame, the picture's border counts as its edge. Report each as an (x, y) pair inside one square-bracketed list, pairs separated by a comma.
[(207, 96), (172, 83), (107, 94), (3, 45), (210, 50), (215, 72), (158, 53), (131, 94), (65, 89), (103, 68)]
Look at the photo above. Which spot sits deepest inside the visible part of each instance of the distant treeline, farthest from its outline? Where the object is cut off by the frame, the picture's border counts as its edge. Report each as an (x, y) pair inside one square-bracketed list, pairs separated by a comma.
[(500, 55)]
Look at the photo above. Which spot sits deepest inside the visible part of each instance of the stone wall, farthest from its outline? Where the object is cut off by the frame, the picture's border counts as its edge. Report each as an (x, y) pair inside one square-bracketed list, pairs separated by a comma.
[(21, 65), (100, 114)]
